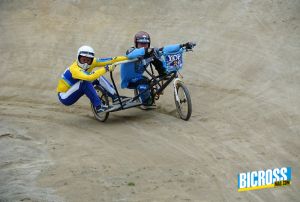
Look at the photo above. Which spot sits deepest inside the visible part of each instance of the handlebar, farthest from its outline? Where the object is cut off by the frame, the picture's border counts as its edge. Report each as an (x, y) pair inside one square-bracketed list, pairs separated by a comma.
[(187, 47)]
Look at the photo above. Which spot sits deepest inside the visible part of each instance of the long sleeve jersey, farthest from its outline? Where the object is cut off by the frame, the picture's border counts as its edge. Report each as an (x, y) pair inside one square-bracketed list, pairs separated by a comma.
[(74, 73)]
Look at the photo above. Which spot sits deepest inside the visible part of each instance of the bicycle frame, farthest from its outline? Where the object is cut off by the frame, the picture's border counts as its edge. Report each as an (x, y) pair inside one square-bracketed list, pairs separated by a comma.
[(129, 102), (171, 58)]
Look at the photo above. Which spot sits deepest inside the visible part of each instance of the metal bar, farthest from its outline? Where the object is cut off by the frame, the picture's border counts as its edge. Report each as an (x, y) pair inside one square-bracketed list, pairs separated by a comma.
[(125, 61), (165, 84), (113, 81)]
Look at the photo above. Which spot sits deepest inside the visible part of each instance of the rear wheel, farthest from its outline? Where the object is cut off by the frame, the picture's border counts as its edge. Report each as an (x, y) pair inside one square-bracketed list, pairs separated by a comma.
[(102, 116), (184, 103)]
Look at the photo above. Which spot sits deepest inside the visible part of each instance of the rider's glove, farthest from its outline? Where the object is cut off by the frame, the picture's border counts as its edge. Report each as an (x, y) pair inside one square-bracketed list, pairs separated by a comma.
[(152, 52), (189, 45), (110, 68), (156, 53), (148, 52)]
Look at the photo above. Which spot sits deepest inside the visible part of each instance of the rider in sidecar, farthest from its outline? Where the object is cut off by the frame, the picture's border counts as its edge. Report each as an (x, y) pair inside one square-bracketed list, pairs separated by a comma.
[(78, 79)]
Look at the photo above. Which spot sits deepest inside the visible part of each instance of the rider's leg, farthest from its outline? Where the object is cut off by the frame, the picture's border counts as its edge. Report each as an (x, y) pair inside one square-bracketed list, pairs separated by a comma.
[(145, 97), (140, 86), (89, 90), (71, 96), (78, 90), (162, 72), (143, 87), (159, 67)]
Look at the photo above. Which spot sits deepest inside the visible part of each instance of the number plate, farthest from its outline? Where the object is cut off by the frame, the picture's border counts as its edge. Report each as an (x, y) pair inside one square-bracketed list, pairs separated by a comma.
[(173, 62)]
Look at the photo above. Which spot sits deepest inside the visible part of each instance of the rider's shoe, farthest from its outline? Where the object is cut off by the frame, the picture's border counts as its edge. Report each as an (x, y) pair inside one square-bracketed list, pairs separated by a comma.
[(147, 107), (101, 108)]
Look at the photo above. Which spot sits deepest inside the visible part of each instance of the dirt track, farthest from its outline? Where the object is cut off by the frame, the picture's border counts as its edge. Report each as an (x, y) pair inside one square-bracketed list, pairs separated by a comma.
[(243, 76)]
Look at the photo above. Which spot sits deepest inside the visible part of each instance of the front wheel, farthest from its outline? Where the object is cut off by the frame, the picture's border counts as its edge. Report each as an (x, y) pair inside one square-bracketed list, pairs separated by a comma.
[(184, 103), (102, 116)]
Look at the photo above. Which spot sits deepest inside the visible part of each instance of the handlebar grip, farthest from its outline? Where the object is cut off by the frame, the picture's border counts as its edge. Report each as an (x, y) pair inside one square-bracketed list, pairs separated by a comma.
[(189, 45)]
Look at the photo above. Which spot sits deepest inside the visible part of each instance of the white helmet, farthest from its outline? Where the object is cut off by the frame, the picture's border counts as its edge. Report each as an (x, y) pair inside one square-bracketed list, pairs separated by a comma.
[(85, 51)]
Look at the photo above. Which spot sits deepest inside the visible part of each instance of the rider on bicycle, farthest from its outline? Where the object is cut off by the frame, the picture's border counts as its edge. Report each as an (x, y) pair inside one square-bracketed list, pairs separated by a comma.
[(132, 73), (77, 79)]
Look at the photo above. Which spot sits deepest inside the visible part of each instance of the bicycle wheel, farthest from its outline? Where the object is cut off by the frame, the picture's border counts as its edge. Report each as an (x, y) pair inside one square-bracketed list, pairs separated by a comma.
[(102, 116), (184, 105)]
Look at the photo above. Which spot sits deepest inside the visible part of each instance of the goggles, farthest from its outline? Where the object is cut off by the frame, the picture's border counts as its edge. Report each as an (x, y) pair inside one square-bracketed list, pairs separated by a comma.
[(84, 59), (86, 54), (143, 40)]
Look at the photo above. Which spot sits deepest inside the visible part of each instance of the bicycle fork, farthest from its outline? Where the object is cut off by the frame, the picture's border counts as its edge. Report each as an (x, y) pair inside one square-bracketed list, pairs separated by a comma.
[(177, 80)]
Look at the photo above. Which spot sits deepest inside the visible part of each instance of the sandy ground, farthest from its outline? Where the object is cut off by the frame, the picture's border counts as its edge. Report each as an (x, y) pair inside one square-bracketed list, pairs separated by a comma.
[(243, 77)]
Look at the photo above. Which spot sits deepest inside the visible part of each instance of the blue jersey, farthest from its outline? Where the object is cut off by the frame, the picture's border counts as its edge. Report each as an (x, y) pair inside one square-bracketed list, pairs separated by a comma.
[(133, 72)]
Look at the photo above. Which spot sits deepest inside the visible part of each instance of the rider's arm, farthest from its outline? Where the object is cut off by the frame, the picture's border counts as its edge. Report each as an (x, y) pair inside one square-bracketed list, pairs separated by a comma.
[(100, 62), (167, 49), (158, 66), (136, 53), (177, 47), (78, 73), (172, 48)]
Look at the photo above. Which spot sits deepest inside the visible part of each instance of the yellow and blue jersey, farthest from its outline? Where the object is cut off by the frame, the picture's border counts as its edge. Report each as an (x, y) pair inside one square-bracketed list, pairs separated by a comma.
[(74, 73)]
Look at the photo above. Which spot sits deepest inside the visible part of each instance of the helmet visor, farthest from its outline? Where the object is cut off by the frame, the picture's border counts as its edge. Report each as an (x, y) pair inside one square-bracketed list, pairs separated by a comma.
[(86, 54), (143, 40)]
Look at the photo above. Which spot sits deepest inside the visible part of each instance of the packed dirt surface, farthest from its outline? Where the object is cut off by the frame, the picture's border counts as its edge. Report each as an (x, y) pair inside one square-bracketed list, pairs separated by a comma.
[(243, 77)]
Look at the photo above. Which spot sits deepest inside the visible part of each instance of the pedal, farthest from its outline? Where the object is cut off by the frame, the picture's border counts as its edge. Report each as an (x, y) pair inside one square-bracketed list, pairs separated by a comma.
[(113, 108)]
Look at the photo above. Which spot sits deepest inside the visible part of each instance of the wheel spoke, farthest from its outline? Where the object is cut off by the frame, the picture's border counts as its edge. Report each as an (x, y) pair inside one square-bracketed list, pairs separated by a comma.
[(104, 99), (183, 105)]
